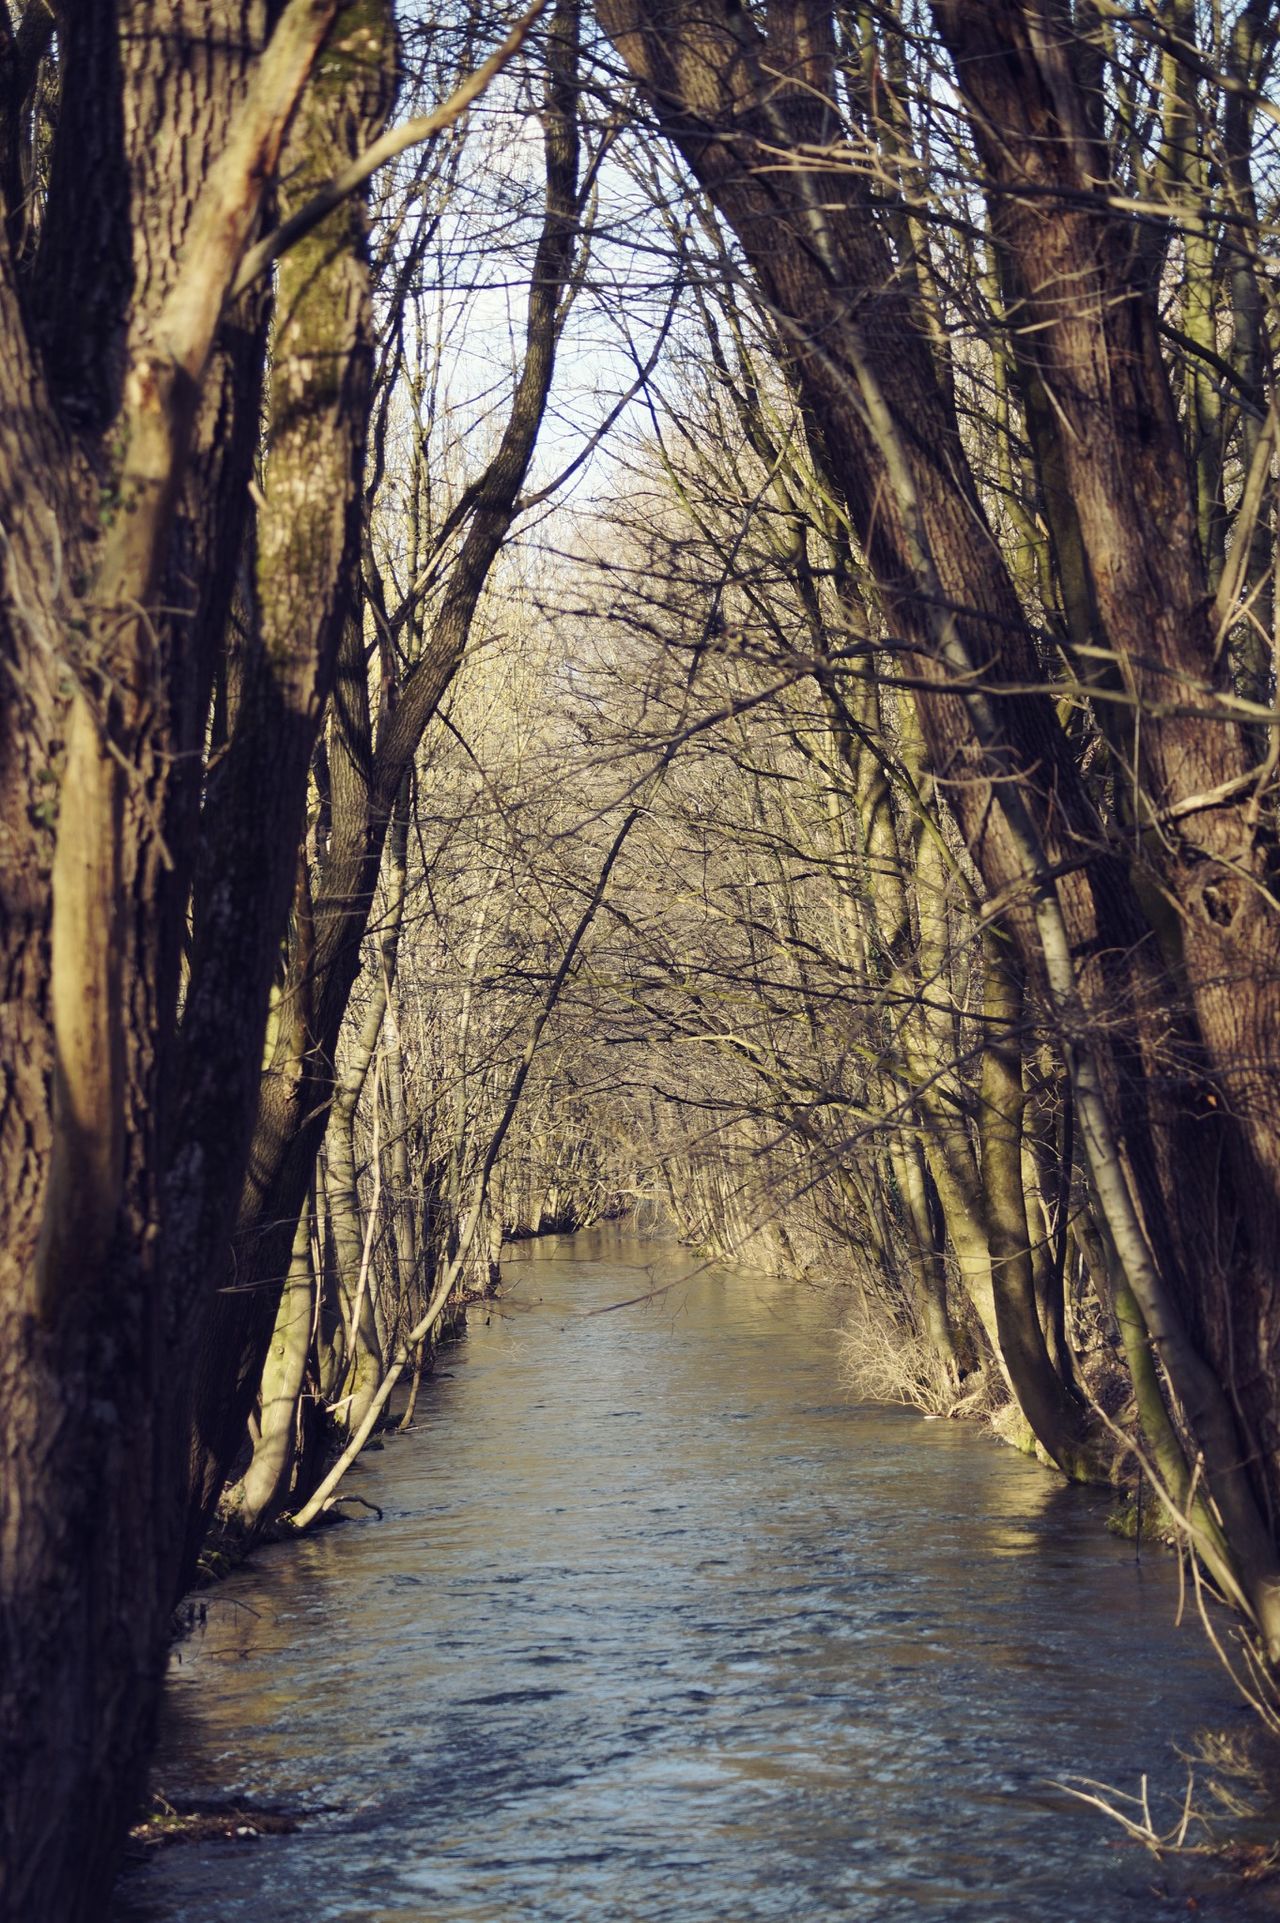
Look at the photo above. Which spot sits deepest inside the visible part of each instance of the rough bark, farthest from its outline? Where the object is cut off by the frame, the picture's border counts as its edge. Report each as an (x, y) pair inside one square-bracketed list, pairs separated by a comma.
[(125, 442), (1089, 325), (304, 599)]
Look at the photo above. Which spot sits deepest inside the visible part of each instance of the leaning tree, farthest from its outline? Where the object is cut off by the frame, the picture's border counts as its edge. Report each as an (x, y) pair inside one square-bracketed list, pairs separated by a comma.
[(1153, 939)]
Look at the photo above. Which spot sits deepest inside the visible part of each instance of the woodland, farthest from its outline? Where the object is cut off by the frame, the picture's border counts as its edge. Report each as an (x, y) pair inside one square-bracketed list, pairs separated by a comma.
[(652, 607)]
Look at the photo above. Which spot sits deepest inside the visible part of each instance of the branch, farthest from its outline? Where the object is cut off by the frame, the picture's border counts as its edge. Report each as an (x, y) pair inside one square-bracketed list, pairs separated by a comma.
[(323, 1496), (1248, 393), (396, 141)]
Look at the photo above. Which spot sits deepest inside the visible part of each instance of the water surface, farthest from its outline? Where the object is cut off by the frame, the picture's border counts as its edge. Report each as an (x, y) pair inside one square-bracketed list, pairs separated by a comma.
[(658, 1626)]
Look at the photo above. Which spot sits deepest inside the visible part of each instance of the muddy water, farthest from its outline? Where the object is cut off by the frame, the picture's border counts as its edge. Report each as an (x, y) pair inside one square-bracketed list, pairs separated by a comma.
[(658, 1626)]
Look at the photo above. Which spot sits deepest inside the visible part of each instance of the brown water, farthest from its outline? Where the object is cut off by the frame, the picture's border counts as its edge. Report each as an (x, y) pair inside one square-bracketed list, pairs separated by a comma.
[(659, 1627)]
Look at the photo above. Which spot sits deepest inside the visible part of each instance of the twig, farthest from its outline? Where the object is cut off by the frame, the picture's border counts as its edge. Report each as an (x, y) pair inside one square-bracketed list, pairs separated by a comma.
[(362, 1500), (412, 134)]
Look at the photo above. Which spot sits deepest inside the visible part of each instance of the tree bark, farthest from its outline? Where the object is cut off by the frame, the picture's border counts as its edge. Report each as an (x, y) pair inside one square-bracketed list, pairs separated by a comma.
[(305, 597), (112, 475), (1056, 1417)]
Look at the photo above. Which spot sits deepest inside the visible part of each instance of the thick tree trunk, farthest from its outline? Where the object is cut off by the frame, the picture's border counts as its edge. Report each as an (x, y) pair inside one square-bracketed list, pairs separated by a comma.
[(306, 572), (1096, 352), (107, 435)]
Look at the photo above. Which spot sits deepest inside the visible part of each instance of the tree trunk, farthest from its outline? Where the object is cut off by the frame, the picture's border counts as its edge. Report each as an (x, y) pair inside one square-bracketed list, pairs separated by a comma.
[(265, 1488), (120, 1169), (1056, 1417)]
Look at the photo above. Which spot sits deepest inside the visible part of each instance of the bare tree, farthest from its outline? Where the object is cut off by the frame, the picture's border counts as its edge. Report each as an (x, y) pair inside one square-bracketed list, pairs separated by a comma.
[(756, 112)]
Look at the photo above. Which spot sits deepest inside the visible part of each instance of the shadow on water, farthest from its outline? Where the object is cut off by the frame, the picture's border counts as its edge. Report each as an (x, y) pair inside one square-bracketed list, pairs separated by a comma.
[(659, 1626)]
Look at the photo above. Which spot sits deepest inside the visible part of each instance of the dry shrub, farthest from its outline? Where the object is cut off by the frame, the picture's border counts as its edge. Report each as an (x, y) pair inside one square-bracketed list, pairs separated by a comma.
[(885, 1358)]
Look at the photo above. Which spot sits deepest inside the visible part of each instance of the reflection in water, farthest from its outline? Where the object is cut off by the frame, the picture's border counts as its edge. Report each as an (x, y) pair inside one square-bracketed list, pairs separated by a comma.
[(657, 1626)]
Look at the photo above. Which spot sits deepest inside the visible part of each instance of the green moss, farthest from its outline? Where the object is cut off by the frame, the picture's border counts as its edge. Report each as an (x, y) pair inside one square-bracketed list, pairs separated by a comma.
[(1123, 1521), (1009, 1423), (362, 42)]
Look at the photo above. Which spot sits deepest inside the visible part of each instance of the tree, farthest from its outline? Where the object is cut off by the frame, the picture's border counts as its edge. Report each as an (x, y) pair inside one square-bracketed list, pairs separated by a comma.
[(369, 756), (1184, 1169), (175, 594)]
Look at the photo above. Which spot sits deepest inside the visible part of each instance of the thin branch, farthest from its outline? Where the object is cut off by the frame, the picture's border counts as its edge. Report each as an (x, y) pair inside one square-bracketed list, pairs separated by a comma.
[(396, 141)]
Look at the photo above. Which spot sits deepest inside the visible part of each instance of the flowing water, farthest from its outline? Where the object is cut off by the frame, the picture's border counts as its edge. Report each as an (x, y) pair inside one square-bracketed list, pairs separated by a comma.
[(657, 1625)]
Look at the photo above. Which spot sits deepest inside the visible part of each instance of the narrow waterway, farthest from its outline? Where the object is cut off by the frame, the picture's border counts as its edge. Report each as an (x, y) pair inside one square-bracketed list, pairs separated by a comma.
[(658, 1626)]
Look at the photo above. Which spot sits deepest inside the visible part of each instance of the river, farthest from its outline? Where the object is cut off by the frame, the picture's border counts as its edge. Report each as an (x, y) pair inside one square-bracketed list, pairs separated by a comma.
[(658, 1625)]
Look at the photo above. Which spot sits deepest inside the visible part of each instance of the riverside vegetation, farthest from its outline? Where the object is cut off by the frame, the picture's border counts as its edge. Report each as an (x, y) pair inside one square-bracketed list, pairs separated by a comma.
[(660, 606)]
